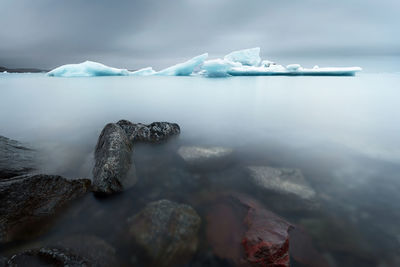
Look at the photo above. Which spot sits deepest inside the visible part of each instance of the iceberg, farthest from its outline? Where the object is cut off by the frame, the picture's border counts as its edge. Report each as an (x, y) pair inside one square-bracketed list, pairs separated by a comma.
[(246, 62), (185, 68), (275, 70), (87, 69), (143, 72), (217, 67), (249, 57)]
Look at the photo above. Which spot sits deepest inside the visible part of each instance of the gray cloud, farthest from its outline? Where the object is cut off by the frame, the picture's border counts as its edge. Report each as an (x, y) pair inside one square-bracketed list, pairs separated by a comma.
[(133, 34)]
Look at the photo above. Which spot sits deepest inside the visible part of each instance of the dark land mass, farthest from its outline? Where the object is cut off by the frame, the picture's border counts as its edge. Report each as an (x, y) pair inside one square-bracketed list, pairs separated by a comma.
[(21, 70)]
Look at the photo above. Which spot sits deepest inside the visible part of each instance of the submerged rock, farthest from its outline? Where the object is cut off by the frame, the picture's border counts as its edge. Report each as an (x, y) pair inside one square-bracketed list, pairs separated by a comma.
[(154, 132), (113, 170), (15, 159), (206, 158), (47, 257), (240, 229), (73, 251), (26, 200), (281, 180), (167, 231)]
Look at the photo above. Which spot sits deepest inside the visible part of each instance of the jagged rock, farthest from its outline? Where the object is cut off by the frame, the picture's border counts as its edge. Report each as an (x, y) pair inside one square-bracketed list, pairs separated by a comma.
[(167, 231), (113, 170), (240, 229), (281, 180), (25, 201), (15, 159), (154, 132), (206, 158)]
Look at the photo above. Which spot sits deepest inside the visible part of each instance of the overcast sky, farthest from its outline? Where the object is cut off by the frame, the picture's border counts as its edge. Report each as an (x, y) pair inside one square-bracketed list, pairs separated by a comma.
[(134, 34)]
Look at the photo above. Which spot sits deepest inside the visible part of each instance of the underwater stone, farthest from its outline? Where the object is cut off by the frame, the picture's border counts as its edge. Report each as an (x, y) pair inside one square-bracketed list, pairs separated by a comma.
[(167, 231), (26, 200)]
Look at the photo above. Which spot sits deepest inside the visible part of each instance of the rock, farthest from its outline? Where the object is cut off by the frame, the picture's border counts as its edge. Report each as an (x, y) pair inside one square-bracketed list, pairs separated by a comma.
[(167, 231), (240, 229), (154, 132), (25, 201), (206, 158), (113, 170), (281, 180), (47, 257), (15, 159), (73, 251), (95, 250)]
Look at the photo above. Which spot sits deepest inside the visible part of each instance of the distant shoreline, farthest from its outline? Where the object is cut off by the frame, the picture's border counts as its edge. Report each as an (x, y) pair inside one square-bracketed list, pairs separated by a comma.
[(21, 70)]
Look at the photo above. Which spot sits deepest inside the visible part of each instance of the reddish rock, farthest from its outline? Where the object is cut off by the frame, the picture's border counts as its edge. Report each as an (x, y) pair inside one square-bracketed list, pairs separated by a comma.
[(242, 230)]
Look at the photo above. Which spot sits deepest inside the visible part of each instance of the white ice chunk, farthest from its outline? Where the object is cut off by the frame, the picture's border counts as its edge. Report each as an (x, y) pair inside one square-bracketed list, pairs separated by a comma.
[(249, 57), (143, 72), (280, 70), (185, 68), (218, 67), (86, 69), (293, 67)]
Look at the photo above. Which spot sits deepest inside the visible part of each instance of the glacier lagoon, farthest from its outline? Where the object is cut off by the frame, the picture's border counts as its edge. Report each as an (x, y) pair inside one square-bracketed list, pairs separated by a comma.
[(341, 132)]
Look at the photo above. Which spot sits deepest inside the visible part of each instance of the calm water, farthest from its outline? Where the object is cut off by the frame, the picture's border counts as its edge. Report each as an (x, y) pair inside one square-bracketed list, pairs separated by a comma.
[(342, 132)]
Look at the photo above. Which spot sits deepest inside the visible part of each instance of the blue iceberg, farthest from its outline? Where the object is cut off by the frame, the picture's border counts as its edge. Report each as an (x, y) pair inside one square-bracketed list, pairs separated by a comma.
[(87, 69), (248, 57), (245, 62), (185, 68), (143, 72), (218, 67)]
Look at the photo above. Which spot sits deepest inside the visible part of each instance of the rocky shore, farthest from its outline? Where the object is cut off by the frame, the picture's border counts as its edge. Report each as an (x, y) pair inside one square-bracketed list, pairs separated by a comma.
[(149, 222)]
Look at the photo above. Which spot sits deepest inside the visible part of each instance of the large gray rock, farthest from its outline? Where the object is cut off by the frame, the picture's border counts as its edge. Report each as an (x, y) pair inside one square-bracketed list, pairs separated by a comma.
[(153, 133), (206, 158), (15, 159), (281, 180), (167, 231), (26, 201), (113, 170)]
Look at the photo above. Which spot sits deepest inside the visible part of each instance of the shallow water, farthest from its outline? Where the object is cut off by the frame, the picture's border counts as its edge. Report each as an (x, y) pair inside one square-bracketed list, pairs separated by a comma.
[(342, 132)]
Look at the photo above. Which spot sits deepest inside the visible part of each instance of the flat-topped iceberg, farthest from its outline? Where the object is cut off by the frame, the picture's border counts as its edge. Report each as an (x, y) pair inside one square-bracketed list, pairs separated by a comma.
[(292, 70), (87, 69), (185, 68), (246, 62)]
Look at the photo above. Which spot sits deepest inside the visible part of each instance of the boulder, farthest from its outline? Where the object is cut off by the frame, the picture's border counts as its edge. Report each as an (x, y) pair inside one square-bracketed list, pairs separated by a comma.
[(166, 231), (113, 170), (206, 158), (281, 180), (26, 201), (15, 159), (153, 133), (241, 230)]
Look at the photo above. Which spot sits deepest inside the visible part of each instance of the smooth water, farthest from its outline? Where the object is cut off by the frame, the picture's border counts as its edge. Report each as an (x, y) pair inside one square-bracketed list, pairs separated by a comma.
[(342, 132)]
